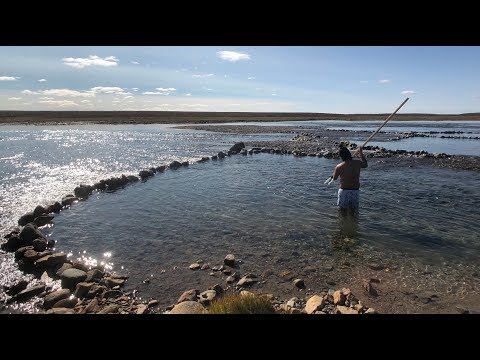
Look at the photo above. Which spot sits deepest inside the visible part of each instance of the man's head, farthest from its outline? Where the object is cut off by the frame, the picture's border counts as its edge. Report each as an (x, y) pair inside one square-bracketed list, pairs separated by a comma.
[(345, 153)]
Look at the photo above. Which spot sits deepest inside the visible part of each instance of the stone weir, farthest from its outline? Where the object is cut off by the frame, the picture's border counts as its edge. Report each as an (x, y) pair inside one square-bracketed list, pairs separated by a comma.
[(64, 286)]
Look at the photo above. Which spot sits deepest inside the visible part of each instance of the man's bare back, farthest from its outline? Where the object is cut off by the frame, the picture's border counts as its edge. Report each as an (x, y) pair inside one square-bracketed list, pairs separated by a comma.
[(349, 172)]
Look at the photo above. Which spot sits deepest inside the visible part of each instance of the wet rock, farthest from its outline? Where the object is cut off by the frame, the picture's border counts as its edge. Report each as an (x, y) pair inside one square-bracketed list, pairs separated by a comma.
[(19, 253), (82, 289), (83, 191), (27, 294), (39, 210), (190, 295), (299, 283), (174, 165), (69, 302), (221, 155), (111, 282), (50, 243), (229, 260), (29, 233), (16, 288), (69, 200), (26, 218), (145, 174), (185, 163), (315, 303), (13, 243), (31, 256), (55, 208), (94, 275), (40, 244), (188, 307), (62, 268), (43, 220), (77, 264), (71, 277), (48, 261), (237, 147)]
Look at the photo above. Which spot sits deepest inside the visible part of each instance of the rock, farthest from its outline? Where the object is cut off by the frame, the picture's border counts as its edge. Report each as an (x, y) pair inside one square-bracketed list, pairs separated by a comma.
[(54, 297), (205, 267), (30, 256), (94, 275), (218, 268), (190, 295), (207, 297), (48, 261), (145, 174), (194, 266), (152, 303), (220, 155), (217, 288), (315, 303), (309, 269), (237, 147), (29, 233), (292, 302), (141, 309), (77, 264), (461, 309), (20, 252), (62, 268), (111, 282), (43, 220), (96, 290), (371, 311), (232, 278), (359, 307), (246, 293), (346, 310), (367, 285), (26, 218), (55, 208), (376, 267), (69, 302), (299, 283), (174, 165), (69, 200), (229, 260), (82, 289), (61, 311), (83, 191), (27, 294), (71, 277), (112, 293), (39, 210), (188, 307), (92, 307), (110, 309), (16, 288), (339, 298), (40, 244), (247, 280)]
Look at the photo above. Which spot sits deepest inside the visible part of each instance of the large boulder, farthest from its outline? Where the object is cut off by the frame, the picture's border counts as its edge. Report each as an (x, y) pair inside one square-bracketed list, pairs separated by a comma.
[(26, 218), (237, 147), (83, 191), (71, 277), (188, 307)]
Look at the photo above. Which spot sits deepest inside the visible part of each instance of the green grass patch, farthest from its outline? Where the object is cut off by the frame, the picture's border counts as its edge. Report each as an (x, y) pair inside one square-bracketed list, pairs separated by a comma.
[(237, 304)]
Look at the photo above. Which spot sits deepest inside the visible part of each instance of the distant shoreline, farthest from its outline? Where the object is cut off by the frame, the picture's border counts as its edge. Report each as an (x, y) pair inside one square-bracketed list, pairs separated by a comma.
[(181, 117)]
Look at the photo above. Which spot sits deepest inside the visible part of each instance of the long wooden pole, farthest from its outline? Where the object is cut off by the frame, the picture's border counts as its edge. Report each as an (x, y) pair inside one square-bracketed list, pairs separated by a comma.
[(388, 118)]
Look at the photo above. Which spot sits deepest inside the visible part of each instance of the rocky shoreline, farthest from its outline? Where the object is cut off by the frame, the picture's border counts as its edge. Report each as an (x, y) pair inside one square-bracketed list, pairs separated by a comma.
[(64, 286)]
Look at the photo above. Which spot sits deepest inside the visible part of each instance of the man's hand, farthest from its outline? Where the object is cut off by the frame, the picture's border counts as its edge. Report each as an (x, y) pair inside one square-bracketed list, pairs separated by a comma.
[(359, 151)]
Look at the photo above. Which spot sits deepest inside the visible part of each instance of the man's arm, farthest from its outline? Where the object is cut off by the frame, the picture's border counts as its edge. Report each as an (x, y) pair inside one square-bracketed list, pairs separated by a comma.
[(336, 172), (362, 157)]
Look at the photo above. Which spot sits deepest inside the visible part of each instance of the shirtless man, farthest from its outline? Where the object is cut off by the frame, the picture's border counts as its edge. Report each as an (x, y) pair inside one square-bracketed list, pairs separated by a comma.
[(349, 172)]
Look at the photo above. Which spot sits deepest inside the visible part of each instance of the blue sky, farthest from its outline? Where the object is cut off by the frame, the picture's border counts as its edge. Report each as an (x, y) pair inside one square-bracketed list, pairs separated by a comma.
[(338, 79)]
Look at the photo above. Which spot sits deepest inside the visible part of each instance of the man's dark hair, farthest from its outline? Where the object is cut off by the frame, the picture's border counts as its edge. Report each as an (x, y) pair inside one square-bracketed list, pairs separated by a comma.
[(345, 153)]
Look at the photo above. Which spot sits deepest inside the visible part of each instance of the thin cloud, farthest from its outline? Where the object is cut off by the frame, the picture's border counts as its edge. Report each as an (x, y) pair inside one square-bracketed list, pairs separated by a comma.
[(68, 92), (251, 78), (160, 91), (188, 94), (274, 94), (128, 97), (135, 62), (8, 78), (232, 56), (29, 92), (166, 89), (59, 103), (92, 60), (364, 81), (135, 89), (385, 81), (42, 80), (85, 101), (202, 75), (109, 90), (408, 92), (14, 98), (47, 98)]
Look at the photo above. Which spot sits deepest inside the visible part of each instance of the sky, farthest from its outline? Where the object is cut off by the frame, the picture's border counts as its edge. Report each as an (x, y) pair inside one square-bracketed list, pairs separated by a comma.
[(323, 79)]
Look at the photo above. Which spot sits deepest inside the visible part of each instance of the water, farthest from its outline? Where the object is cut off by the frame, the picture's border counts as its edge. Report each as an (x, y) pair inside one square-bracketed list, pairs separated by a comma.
[(273, 212)]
